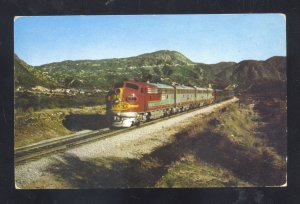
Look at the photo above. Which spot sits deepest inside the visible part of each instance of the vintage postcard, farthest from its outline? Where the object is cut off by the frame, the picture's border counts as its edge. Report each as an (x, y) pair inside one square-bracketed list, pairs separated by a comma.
[(150, 101)]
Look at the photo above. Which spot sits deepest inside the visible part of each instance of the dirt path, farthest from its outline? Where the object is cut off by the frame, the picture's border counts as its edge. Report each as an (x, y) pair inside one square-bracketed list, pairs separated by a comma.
[(113, 162)]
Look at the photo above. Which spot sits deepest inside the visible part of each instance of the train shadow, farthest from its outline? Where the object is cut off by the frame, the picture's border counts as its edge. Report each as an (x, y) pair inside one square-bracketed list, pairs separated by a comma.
[(78, 122)]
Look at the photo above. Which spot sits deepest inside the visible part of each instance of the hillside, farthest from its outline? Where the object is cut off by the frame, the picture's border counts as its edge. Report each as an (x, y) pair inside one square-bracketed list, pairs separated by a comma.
[(27, 76), (261, 76), (163, 66), (218, 74), (103, 73)]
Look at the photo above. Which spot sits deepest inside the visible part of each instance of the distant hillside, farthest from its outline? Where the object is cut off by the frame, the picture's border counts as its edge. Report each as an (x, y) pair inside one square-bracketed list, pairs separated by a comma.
[(156, 67), (218, 74), (164, 66), (260, 76), (28, 76), (164, 56)]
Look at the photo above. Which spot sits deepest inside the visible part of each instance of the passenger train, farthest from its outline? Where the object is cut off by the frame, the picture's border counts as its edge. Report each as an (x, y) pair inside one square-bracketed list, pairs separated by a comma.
[(130, 103)]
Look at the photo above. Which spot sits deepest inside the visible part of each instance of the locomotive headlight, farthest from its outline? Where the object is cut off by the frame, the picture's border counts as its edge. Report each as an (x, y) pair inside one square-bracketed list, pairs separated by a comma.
[(117, 118)]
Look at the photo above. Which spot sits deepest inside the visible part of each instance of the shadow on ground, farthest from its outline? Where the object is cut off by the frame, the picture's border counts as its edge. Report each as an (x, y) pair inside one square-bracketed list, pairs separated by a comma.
[(109, 172), (209, 147), (78, 122), (250, 166)]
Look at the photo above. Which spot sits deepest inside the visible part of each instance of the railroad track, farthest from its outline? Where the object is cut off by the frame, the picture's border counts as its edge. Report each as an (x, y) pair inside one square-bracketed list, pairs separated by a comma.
[(38, 150), (43, 148)]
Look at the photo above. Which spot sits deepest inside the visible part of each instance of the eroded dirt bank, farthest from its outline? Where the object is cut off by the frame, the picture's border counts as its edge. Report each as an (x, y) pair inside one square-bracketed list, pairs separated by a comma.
[(240, 145)]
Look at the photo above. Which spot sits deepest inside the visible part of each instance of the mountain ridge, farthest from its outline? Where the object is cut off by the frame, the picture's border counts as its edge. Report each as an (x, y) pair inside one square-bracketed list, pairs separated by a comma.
[(164, 66)]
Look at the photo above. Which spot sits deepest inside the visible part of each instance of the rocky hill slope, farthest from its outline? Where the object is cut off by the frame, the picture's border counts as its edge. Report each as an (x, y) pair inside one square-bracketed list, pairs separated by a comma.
[(27, 76), (260, 76)]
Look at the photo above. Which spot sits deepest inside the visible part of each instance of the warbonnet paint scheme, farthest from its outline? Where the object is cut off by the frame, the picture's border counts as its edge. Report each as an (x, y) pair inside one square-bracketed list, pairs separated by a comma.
[(129, 102)]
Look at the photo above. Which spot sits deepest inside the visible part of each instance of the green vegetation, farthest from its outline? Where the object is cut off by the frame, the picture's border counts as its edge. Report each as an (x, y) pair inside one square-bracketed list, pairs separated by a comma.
[(28, 76), (166, 66), (161, 66), (103, 73), (26, 101)]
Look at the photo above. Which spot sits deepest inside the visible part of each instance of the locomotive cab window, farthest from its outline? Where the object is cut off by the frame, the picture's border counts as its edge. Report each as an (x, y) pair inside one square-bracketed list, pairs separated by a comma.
[(132, 86)]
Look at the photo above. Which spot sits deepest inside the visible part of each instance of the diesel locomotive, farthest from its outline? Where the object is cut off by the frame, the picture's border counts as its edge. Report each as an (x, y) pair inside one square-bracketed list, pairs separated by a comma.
[(129, 103)]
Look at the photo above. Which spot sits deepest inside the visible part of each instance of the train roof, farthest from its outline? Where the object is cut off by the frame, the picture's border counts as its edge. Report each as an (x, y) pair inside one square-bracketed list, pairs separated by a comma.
[(144, 84), (184, 87), (223, 90), (162, 86), (203, 89)]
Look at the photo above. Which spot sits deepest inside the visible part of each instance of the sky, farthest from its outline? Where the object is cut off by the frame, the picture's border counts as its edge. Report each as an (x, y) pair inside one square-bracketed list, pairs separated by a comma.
[(206, 38)]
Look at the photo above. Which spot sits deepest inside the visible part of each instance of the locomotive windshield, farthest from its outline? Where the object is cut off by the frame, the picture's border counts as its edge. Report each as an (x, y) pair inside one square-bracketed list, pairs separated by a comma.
[(132, 86), (119, 85)]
